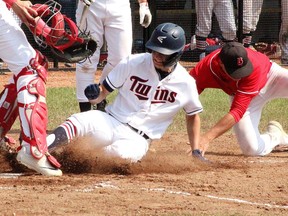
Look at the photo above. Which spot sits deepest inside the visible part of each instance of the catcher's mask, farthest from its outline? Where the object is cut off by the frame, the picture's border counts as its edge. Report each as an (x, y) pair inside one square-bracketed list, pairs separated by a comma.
[(168, 39), (49, 28)]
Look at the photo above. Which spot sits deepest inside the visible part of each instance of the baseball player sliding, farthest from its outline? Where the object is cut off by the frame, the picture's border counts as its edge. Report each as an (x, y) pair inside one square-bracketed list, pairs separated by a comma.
[(152, 88), (108, 20), (251, 80)]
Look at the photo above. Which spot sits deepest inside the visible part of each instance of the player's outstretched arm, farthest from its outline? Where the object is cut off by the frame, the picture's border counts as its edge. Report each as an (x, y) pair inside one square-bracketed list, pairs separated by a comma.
[(223, 125), (193, 124)]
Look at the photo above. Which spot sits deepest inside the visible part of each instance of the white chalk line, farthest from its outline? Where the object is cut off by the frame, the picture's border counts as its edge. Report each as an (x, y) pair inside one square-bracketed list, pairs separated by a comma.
[(91, 188), (168, 191), (11, 175), (108, 184), (246, 202), (267, 161)]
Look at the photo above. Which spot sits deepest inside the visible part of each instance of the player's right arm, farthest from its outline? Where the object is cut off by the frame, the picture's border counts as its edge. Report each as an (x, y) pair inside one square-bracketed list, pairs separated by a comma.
[(96, 93), (23, 10), (223, 125)]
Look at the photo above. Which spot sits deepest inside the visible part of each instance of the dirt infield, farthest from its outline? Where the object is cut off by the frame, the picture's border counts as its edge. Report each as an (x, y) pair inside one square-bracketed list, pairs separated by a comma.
[(166, 182)]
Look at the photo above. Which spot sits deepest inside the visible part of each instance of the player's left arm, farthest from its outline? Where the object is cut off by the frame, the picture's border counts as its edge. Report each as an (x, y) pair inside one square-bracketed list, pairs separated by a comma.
[(193, 124)]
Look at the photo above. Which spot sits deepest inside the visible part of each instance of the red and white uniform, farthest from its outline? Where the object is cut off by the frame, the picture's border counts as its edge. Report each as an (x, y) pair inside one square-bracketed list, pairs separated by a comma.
[(109, 19), (248, 95), (144, 101), (17, 57), (25, 94)]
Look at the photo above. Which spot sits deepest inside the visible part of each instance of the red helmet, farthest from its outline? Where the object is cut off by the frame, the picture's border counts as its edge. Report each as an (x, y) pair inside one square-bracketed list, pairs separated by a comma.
[(49, 25), (49, 28)]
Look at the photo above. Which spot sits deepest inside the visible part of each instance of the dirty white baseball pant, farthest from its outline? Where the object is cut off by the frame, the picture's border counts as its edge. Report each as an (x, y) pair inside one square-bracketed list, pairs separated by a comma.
[(104, 131), (283, 34), (16, 52), (109, 19), (251, 14), (249, 138)]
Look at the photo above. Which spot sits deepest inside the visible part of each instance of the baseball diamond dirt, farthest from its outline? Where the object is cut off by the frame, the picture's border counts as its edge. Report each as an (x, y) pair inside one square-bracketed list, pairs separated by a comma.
[(166, 182)]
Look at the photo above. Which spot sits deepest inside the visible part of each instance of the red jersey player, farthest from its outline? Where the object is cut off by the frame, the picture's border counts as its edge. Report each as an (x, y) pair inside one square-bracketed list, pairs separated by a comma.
[(251, 80)]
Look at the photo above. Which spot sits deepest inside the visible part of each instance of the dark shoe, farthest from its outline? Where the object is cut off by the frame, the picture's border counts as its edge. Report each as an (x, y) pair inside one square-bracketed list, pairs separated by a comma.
[(101, 106), (284, 62)]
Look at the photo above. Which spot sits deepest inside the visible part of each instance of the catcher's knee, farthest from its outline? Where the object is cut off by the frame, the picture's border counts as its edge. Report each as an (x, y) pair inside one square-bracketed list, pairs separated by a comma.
[(8, 108)]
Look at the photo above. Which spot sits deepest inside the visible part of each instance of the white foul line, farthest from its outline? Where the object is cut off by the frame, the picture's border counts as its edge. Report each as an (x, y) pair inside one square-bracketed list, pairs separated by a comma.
[(108, 184), (247, 202)]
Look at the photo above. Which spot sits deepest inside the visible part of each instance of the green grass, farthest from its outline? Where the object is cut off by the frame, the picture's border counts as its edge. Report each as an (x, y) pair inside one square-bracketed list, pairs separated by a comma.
[(62, 103)]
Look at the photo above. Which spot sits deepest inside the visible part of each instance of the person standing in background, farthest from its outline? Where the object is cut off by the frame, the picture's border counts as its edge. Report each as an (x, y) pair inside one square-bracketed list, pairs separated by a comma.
[(283, 35), (251, 14), (111, 20), (223, 10)]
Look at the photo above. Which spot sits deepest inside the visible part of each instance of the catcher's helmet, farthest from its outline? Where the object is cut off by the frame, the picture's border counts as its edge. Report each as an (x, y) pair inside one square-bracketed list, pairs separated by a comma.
[(168, 39), (50, 25)]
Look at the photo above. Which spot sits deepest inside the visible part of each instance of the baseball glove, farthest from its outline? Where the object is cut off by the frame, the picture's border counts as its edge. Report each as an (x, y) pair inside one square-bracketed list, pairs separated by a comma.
[(78, 51), (271, 50), (55, 30)]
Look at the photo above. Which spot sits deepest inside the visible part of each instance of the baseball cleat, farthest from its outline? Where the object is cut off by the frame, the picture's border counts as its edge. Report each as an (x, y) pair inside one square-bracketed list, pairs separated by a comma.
[(42, 165), (277, 130)]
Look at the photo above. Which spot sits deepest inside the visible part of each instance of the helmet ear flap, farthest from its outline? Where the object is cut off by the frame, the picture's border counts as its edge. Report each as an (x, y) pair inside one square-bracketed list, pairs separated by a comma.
[(173, 59)]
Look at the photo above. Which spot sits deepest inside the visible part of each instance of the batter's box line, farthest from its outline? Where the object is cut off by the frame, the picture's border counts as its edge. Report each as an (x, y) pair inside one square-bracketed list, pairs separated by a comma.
[(246, 202), (104, 184)]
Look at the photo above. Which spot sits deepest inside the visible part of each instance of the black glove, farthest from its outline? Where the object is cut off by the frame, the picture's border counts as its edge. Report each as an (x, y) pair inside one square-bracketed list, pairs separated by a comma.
[(92, 91), (197, 154), (77, 51)]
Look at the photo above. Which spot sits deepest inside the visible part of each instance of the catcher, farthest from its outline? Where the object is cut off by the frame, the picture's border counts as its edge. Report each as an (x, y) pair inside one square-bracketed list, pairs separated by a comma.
[(25, 94)]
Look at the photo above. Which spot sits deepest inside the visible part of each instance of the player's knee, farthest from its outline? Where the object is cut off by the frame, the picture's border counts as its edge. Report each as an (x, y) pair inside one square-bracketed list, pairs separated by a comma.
[(250, 151)]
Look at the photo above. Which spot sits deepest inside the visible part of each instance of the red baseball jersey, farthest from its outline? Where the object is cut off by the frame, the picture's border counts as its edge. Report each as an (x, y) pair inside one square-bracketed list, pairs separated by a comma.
[(209, 74)]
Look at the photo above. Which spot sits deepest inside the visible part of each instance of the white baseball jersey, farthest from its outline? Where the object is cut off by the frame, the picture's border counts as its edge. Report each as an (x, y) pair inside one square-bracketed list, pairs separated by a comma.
[(144, 101), (110, 20)]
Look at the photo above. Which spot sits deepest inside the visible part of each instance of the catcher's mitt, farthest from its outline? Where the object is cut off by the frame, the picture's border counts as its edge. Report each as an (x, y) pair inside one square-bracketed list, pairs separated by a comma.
[(78, 51), (60, 33), (272, 50)]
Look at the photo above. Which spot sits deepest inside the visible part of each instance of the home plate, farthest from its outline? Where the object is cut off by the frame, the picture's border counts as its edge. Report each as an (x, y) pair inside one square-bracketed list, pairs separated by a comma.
[(11, 175)]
